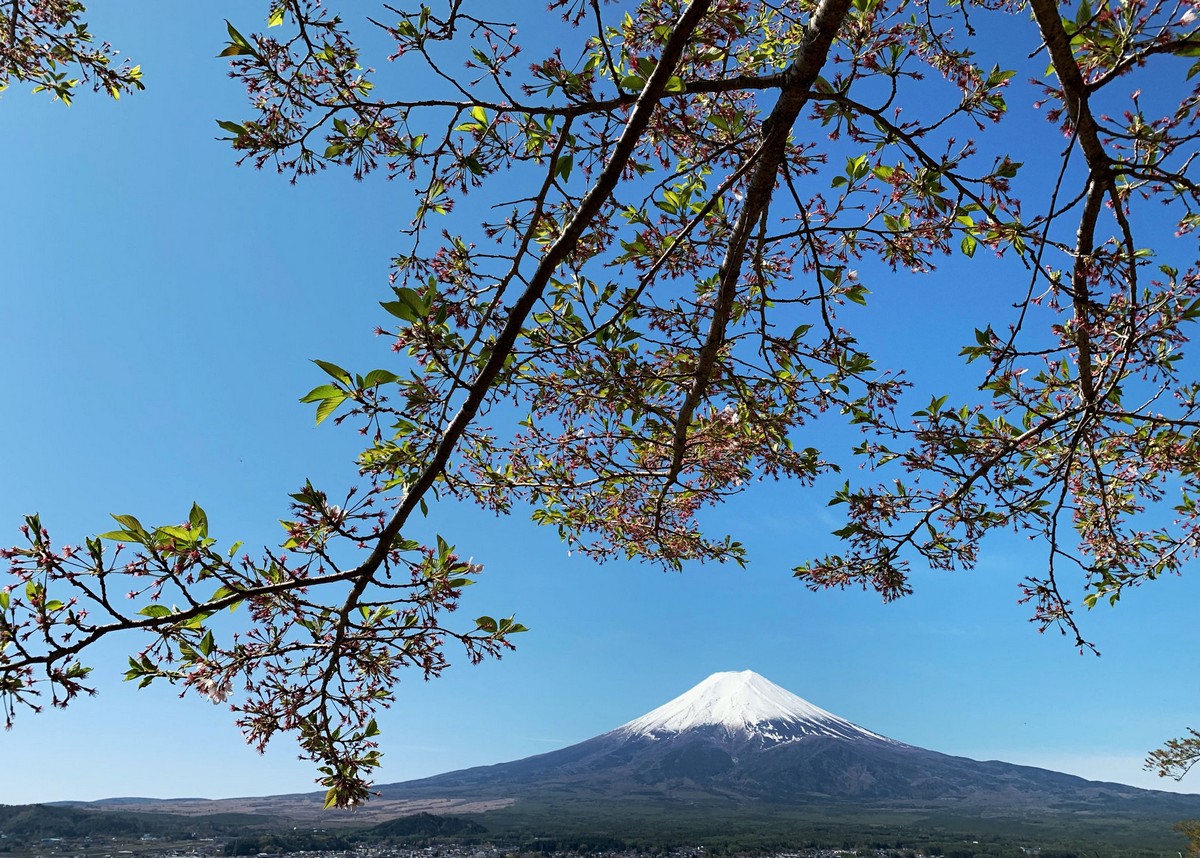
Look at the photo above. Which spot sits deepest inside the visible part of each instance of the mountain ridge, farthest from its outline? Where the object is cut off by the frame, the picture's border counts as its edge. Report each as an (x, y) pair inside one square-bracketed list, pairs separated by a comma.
[(736, 740), (737, 736)]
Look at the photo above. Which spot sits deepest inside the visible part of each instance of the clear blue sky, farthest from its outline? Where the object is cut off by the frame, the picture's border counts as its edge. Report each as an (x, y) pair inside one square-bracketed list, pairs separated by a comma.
[(160, 309)]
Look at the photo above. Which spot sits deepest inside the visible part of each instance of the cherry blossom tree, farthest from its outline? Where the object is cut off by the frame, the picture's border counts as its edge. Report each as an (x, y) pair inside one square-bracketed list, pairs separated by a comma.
[(623, 299), (46, 42)]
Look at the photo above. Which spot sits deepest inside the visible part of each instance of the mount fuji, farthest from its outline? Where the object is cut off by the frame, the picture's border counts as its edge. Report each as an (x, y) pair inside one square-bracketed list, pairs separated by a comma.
[(740, 763), (736, 736)]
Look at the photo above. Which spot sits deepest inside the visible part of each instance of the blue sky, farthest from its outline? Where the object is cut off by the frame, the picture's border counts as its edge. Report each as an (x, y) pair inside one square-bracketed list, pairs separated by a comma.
[(160, 310)]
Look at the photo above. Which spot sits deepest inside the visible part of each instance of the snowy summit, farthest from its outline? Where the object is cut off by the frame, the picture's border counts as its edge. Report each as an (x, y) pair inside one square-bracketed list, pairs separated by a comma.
[(744, 702)]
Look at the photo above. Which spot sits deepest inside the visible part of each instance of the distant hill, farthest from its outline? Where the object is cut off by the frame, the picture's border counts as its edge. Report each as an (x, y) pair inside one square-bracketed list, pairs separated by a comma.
[(426, 825), (35, 821)]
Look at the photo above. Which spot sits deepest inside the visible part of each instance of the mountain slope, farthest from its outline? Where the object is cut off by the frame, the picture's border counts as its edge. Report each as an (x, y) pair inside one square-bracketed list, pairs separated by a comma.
[(737, 736)]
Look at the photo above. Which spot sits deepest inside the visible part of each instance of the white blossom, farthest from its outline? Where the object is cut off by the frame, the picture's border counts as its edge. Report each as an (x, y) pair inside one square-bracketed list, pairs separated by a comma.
[(216, 690)]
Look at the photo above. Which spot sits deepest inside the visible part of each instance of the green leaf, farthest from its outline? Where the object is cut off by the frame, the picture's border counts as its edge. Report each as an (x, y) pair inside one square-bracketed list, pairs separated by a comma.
[(132, 531), (221, 593), (121, 536), (400, 311), (563, 168), (407, 306), (130, 523), (238, 45), (379, 376), (858, 294), (323, 392), (334, 370), (155, 611), (198, 520), (197, 621), (327, 407), (276, 17), (1008, 169), (174, 531), (234, 36)]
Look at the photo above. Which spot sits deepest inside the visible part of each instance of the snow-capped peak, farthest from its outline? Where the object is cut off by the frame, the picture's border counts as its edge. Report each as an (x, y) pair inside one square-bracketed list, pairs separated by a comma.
[(744, 702)]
